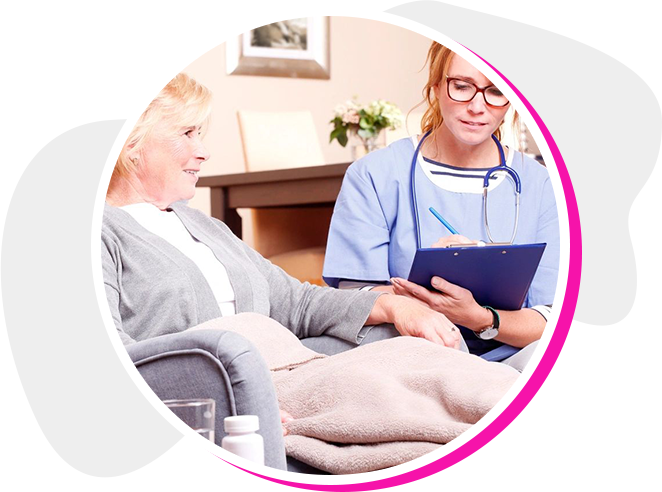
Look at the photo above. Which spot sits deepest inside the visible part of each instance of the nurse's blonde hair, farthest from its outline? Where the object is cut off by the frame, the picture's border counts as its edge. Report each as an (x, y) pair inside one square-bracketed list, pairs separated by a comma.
[(183, 102), (439, 60)]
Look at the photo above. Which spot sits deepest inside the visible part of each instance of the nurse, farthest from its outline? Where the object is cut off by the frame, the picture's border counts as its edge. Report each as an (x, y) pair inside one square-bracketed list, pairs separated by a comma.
[(372, 239)]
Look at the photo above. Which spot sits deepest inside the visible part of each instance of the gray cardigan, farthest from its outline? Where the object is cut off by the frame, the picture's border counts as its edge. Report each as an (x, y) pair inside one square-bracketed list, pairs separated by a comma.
[(153, 289)]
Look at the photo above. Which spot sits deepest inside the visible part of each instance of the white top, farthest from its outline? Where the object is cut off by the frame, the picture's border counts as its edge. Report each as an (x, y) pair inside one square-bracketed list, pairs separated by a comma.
[(167, 225), (458, 179)]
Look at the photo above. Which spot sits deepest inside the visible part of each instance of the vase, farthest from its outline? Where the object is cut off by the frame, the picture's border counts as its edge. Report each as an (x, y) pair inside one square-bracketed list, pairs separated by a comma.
[(362, 146)]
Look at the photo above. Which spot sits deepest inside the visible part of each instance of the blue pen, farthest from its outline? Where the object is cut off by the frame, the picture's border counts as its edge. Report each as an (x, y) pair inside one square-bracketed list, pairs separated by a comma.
[(443, 221)]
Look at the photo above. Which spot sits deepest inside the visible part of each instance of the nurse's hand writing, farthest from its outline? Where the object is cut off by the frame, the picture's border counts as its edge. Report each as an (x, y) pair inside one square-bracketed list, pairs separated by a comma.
[(285, 417), (456, 302), (444, 242)]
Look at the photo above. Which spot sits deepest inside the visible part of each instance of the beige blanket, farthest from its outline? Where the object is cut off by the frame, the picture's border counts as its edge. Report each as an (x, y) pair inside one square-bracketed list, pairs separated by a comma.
[(375, 406)]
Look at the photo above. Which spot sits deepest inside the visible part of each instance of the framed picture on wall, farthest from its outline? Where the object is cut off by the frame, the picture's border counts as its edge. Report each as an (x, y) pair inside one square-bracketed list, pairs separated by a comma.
[(293, 48)]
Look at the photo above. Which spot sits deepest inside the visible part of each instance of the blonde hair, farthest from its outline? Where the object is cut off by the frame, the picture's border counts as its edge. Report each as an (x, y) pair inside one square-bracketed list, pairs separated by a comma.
[(439, 59), (182, 102)]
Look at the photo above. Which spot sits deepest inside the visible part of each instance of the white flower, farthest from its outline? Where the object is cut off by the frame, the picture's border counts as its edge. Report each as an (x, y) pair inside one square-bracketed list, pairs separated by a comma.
[(340, 110)]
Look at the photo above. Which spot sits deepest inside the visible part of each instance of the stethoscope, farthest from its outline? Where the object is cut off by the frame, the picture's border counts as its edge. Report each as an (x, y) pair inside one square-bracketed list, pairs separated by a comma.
[(486, 183)]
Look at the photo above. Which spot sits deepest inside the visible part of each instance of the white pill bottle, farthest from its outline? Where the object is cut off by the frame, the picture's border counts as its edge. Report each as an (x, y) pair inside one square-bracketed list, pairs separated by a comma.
[(242, 439)]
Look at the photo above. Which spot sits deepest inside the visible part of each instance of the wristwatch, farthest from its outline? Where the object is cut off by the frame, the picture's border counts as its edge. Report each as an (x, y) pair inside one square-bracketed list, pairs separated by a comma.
[(491, 331)]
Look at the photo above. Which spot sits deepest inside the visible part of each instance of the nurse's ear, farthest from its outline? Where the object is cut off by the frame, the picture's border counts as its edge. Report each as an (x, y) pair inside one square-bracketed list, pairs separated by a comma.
[(436, 89)]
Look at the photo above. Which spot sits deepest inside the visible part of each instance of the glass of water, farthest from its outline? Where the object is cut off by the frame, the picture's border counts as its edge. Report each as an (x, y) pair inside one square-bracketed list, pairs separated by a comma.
[(198, 414)]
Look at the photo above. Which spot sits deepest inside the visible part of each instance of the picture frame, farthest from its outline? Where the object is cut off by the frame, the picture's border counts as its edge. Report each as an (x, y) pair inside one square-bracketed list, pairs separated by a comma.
[(297, 48)]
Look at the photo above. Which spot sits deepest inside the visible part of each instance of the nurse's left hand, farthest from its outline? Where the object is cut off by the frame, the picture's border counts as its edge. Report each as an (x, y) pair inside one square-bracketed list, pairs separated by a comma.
[(445, 242), (456, 302)]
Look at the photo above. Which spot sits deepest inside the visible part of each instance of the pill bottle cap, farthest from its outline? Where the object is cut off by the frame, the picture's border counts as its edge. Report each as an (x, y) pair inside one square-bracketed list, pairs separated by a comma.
[(241, 423)]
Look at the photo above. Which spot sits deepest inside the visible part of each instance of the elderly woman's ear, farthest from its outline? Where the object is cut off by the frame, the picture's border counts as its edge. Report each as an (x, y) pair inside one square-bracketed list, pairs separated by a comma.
[(131, 151), (134, 156)]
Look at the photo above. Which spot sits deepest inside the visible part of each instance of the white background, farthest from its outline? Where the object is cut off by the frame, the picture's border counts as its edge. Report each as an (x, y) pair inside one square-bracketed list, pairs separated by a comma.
[(72, 415)]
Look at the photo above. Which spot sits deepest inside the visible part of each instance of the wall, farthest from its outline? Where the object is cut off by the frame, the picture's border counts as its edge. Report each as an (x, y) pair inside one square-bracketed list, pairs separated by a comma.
[(369, 59)]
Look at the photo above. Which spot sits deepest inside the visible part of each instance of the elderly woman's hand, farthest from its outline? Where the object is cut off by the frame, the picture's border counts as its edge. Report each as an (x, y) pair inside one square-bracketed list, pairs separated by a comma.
[(285, 417), (453, 301), (413, 318)]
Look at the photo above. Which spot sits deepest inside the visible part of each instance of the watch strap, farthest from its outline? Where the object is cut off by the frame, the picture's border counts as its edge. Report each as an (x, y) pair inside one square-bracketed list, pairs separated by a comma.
[(496, 319)]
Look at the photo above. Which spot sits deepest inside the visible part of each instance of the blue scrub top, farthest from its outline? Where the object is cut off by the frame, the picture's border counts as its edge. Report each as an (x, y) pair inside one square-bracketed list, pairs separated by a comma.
[(372, 236)]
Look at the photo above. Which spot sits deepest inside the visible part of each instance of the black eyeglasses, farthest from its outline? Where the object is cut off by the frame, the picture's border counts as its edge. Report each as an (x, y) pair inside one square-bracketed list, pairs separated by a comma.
[(460, 90)]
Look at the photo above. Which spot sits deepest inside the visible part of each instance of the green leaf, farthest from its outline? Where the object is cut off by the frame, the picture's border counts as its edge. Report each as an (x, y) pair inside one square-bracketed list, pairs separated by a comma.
[(340, 134)]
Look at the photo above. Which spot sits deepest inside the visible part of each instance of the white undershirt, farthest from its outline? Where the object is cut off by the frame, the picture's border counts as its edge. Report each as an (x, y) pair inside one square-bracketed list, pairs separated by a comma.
[(459, 180), (167, 225)]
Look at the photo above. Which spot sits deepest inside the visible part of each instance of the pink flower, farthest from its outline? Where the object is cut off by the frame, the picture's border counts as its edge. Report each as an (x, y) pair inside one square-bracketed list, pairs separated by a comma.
[(351, 117)]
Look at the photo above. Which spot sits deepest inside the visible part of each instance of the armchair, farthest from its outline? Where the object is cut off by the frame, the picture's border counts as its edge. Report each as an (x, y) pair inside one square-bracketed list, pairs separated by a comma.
[(214, 364)]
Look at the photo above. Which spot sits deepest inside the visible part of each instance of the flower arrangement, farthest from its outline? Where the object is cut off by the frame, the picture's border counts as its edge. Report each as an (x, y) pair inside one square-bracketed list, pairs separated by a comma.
[(366, 122)]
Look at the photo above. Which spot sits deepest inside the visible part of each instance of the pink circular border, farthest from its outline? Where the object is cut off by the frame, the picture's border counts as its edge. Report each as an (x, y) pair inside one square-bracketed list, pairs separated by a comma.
[(541, 408)]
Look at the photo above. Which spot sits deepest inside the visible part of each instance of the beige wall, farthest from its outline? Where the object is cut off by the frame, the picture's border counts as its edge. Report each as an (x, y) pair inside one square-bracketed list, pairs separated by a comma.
[(369, 59)]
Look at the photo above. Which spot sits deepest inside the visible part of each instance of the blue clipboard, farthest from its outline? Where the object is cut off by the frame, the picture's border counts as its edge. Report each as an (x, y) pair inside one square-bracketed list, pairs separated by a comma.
[(497, 276)]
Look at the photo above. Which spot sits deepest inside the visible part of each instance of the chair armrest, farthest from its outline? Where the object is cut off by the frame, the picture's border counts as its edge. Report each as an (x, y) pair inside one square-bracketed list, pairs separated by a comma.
[(214, 364)]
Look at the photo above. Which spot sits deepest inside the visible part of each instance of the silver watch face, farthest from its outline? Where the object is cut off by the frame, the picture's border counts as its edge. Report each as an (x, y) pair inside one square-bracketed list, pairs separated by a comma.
[(488, 333)]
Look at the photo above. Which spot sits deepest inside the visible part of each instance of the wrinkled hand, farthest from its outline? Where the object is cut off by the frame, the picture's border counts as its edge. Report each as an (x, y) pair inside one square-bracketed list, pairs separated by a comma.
[(285, 417), (414, 319), (455, 302), (444, 242)]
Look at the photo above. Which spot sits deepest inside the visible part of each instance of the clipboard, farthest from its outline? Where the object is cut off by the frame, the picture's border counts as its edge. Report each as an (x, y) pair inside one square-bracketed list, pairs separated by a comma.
[(498, 276)]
